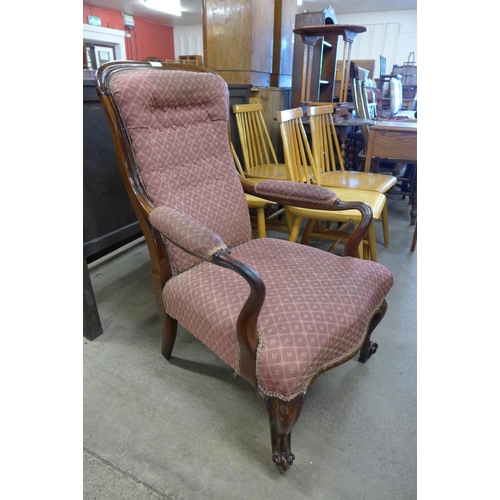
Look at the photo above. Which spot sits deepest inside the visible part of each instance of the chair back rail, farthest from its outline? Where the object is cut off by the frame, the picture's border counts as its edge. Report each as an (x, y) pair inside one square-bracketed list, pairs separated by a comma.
[(324, 139), (299, 159), (255, 140)]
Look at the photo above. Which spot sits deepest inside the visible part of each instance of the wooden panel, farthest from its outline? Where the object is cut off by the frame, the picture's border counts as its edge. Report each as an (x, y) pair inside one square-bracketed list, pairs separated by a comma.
[(238, 39), (284, 22), (227, 31), (261, 49), (398, 142)]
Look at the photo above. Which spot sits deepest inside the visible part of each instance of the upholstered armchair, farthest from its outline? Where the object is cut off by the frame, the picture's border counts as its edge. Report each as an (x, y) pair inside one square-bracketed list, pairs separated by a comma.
[(276, 312)]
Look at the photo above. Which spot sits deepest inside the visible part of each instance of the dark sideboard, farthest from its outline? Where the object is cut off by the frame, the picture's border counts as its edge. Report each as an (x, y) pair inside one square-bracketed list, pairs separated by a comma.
[(109, 221)]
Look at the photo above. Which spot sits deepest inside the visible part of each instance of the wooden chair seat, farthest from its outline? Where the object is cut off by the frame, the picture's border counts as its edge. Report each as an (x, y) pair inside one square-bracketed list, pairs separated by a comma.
[(358, 180), (275, 171)]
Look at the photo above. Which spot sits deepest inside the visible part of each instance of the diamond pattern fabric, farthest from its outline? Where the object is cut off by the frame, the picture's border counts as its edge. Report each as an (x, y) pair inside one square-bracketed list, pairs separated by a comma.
[(186, 232), (317, 310), (178, 125), (296, 191)]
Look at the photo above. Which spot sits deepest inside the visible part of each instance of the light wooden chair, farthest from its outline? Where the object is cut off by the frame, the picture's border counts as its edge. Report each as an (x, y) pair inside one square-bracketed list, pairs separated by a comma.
[(259, 156), (299, 160), (330, 165), (259, 204)]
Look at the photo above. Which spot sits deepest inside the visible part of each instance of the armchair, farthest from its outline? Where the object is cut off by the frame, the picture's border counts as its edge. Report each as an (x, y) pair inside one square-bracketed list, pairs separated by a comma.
[(278, 313)]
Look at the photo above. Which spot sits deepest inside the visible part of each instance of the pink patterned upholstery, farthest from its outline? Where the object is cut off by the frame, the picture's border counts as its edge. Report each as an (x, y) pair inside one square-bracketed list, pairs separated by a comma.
[(179, 136), (186, 232), (296, 191), (317, 309)]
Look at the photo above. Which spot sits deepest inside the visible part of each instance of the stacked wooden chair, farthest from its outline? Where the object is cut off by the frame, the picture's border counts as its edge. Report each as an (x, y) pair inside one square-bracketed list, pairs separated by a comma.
[(299, 160)]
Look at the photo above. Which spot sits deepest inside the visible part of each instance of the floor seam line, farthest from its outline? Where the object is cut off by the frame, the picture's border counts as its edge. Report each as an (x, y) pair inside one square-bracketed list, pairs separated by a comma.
[(121, 471)]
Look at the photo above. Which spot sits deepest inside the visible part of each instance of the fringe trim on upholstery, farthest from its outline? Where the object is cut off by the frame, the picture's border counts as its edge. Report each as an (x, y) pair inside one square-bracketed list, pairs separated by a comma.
[(325, 366)]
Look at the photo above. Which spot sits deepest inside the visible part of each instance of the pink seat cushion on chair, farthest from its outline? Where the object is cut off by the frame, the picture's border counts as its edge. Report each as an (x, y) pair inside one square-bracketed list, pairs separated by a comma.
[(317, 310)]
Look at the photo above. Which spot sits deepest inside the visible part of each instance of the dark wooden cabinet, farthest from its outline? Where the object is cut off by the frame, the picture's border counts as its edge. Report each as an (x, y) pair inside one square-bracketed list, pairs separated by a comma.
[(109, 221), (108, 218)]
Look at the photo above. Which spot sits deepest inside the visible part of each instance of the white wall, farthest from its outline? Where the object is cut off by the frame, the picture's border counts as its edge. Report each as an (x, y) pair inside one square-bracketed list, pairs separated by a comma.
[(188, 41), (390, 34)]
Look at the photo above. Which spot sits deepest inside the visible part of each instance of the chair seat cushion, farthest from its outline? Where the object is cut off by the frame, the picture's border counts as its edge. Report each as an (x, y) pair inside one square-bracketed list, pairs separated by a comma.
[(316, 313)]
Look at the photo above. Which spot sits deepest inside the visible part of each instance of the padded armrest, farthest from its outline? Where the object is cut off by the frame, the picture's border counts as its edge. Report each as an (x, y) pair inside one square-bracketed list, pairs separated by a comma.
[(186, 233), (295, 191)]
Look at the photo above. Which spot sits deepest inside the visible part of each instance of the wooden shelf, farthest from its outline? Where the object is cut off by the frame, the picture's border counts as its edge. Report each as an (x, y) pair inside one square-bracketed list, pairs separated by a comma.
[(315, 63)]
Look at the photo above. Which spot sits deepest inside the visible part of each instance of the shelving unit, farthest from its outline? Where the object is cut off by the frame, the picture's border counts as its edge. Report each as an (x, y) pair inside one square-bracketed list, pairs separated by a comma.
[(195, 60), (315, 57)]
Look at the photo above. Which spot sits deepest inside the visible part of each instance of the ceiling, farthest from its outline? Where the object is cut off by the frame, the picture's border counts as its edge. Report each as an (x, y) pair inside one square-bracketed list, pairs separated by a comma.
[(191, 9)]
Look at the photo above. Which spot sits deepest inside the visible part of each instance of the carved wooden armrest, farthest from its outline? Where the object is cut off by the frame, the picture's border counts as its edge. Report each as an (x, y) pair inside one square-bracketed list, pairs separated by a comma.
[(186, 233), (201, 242), (316, 197)]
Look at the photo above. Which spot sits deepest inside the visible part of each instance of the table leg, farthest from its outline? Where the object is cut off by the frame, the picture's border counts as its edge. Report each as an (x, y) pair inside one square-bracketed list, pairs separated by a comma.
[(92, 327), (342, 134), (413, 196)]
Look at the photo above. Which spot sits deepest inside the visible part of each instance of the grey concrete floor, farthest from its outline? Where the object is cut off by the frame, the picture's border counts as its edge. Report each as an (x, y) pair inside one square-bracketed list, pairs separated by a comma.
[(190, 429)]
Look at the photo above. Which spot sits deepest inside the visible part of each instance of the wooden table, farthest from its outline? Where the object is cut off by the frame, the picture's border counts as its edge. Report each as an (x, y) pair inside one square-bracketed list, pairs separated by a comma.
[(396, 140)]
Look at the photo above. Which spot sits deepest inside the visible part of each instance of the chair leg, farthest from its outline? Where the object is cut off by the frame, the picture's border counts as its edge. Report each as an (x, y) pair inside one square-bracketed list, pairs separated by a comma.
[(372, 242), (282, 417), (414, 239), (308, 231), (369, 348), (261, 222), (168, 324), (385, 225), (294, 233), (169, 334)]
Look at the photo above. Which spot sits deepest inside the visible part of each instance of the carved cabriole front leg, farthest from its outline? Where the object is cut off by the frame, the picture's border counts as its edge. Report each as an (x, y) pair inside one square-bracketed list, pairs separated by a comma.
[(282, 417), (369, 348)]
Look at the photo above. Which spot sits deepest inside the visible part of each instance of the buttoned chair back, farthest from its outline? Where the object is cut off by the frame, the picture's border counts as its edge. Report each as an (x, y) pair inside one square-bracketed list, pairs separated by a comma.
[(177, 127)]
